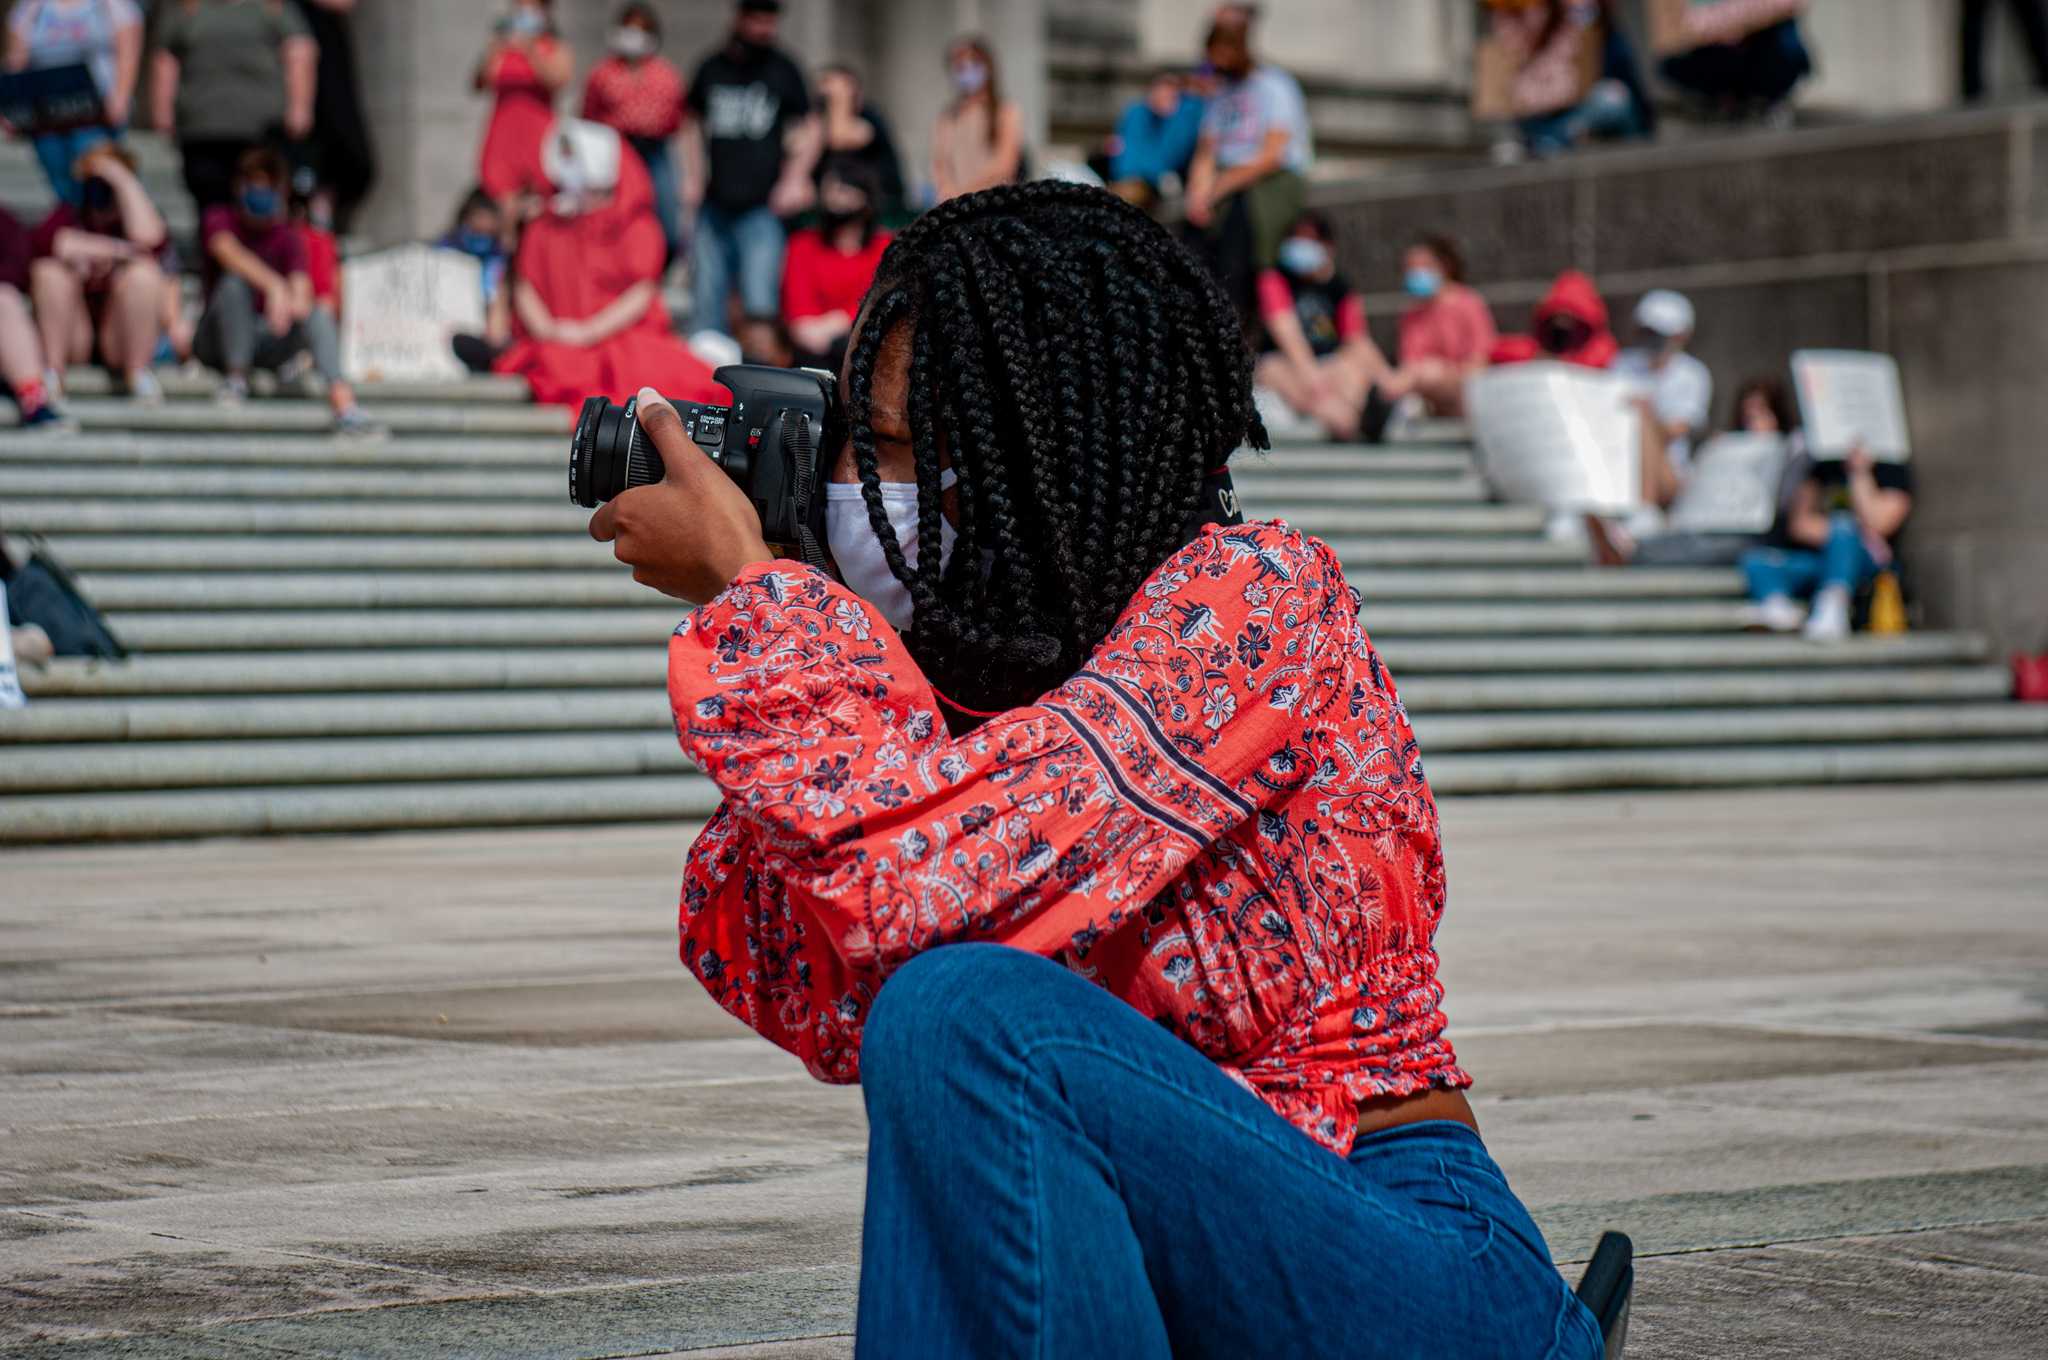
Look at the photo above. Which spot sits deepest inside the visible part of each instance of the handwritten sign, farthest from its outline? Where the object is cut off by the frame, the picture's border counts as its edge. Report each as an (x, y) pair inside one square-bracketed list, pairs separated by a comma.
[(1849, 397), (1559, 436), (402, 308), (10, 681), (1733, 486), (51, 99)]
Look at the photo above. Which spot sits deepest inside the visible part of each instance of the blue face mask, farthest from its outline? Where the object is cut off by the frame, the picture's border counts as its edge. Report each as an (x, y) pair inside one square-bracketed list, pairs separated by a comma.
[(477, 243), (1303, 256), (1423, 283), (259, 204)]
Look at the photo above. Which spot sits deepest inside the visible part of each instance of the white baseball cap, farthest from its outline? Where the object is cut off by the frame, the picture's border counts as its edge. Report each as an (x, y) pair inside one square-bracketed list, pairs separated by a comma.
[(1665, 312)]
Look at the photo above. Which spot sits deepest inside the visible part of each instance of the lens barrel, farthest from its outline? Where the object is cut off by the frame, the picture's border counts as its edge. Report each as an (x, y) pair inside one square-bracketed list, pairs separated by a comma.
[(607, 454)]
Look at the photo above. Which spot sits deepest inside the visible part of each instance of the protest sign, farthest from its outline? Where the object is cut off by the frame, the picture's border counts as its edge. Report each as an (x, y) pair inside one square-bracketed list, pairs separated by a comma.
[(402, 307), (1733, 485), (1849, 397), (1558, 435)]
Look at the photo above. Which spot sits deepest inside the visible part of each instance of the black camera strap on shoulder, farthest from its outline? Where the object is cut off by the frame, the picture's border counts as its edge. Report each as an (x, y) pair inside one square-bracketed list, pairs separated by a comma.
[(798, 443), (1216, 505)]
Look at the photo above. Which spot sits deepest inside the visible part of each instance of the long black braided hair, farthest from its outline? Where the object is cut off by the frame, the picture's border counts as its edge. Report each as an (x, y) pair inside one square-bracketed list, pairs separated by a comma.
[(1084, 374)]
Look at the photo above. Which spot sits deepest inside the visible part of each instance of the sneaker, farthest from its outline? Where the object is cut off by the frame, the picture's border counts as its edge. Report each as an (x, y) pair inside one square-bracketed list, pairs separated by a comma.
[(1777, 614), (53, 384), (144, 388), (48, 419), (232, 391), (356, 421), (1830, 619)]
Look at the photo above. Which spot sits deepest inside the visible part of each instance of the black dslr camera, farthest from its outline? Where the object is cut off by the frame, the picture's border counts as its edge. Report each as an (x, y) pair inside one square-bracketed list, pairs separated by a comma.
[(773, 440)]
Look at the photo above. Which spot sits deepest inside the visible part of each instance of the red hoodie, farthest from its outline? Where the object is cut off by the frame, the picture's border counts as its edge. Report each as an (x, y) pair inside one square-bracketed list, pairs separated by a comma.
[(1575, 296)]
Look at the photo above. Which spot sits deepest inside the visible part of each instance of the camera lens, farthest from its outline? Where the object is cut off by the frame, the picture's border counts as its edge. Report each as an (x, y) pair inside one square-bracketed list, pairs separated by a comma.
[(607, 454)]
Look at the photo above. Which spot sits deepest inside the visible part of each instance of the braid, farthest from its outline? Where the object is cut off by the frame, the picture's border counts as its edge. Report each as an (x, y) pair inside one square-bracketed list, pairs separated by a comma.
[(1082, 374)]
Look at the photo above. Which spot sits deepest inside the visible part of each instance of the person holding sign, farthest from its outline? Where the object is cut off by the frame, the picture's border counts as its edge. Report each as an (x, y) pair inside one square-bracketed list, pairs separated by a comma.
[(104, 35), (1319, 358), (1840, 531)]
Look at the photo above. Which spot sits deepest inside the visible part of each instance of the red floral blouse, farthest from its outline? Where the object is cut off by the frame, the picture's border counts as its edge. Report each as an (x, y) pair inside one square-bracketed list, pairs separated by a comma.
[(1221, 818)]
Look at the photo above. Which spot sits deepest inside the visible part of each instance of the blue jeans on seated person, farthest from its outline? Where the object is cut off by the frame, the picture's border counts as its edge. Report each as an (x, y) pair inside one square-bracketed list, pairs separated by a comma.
[(1797, 573), (1052, 1174), (58, 153), (746, 246), (1608, 110)]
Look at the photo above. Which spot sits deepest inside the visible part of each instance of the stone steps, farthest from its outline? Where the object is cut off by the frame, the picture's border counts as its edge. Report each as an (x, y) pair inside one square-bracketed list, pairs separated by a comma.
[(306, 417), (355, 668), (1553, 705), (176, 516), (161, 632), (546, 480), (193, 385), (602, 585), (415, 631), (299, 809), (585, 752), (571, 550)]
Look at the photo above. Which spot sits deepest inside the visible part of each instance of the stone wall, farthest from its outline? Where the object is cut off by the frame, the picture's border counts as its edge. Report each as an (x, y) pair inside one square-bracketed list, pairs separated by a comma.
[(1926, 237)]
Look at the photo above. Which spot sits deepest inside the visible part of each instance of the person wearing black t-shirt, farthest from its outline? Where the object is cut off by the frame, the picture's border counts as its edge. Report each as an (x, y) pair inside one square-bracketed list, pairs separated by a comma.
[(1837, 535), (1319, 358), (751, 145)]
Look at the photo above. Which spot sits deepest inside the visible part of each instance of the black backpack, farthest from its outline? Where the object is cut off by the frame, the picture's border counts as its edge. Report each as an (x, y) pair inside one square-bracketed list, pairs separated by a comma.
[(42, 592)]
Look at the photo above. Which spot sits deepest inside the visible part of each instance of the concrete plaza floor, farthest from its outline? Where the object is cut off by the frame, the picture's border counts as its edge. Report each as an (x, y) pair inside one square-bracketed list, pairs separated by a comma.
[(451, 1095)]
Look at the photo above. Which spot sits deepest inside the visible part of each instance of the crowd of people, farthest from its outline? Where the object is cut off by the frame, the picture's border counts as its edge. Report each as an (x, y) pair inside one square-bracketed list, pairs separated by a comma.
[(260, 101)]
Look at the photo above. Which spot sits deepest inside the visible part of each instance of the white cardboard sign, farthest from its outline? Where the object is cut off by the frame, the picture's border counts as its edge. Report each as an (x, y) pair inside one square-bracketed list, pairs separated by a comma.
[(1847, 397), (1733, 485), (401, 308), (1559, 436)]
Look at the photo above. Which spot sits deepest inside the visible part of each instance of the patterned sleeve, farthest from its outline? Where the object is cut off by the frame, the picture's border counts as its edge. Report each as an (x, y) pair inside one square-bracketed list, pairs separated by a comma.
[(1047, 827)]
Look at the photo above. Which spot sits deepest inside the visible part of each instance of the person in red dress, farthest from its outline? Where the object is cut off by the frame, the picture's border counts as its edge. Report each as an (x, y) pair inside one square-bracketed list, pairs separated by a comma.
[(829, 267), (586, 292), (640, 92), (526, 65), (1081, 823)]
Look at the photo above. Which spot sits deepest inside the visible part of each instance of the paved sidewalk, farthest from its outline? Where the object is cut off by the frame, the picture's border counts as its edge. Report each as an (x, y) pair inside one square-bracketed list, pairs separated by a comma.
[(417, 1096)]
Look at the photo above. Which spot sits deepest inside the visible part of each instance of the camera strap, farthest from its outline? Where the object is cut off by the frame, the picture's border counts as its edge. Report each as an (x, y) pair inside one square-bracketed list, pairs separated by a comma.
[(1216, 505), (797, 443)]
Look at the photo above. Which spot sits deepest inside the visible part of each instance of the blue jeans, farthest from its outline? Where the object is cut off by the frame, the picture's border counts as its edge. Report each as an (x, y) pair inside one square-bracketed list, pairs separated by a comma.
[(1799, 572), (661, 169), (1607, 111), (746, 246), (59, 152), (1052, 1174)]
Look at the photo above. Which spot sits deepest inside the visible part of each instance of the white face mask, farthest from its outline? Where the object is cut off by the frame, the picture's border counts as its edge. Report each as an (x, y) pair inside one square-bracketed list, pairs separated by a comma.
[(631, 42), (858, 553), (969, 77)]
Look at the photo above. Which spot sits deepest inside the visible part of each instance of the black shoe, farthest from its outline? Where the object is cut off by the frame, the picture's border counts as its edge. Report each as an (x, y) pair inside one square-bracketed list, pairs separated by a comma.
[(1605, 1288)]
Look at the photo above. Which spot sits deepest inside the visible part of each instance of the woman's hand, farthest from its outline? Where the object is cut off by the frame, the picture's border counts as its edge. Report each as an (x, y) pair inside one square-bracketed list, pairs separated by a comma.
[(689, 534)]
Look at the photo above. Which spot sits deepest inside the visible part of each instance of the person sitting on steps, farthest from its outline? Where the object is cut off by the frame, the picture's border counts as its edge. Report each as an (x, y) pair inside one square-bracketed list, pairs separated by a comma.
[(259, 307)]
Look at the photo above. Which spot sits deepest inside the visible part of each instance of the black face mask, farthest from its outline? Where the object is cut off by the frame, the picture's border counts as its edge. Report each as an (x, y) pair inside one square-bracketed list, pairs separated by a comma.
[(1562, 334), (834, 222)]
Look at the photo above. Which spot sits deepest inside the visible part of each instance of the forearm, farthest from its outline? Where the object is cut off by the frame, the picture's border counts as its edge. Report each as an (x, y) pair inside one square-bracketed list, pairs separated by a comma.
[(75, 247), (621, 312), (141, 223), (1240, 177), (533, 314), (806, 142), (301, 286), (235, 258), (164, 92), (301, 81), (127, 66)]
